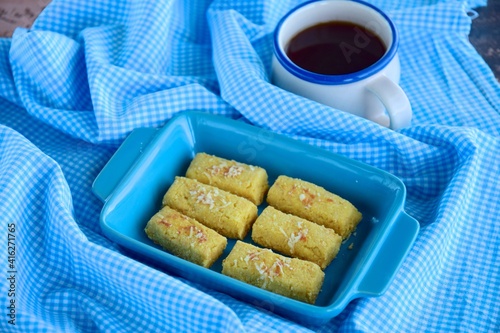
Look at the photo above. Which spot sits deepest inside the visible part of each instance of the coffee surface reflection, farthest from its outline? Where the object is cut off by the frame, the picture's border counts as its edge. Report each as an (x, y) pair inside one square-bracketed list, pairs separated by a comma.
[(335, 48)]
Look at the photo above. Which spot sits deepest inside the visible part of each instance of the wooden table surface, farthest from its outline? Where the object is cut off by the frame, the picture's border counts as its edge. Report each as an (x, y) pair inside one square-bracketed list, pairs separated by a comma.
[(484, 35)]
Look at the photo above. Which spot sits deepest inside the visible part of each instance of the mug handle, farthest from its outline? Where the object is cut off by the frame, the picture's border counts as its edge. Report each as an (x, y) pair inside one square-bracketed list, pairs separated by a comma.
[(395, 101)]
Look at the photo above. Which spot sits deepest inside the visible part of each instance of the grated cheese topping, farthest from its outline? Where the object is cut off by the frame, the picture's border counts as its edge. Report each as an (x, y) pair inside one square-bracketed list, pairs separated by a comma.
[(204, 198), (294, 238), (208, 176), (252, 256), (227, 171), (196, 233), (276, 270), (307, 198), (267, 273), (165, 223)]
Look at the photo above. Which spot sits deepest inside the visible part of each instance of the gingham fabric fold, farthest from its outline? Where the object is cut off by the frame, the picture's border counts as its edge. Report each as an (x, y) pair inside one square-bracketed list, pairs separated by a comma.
[(87, 73)]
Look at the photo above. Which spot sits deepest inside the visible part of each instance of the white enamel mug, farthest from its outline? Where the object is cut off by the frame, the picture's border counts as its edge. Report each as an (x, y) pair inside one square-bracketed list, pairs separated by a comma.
[(373, 92)]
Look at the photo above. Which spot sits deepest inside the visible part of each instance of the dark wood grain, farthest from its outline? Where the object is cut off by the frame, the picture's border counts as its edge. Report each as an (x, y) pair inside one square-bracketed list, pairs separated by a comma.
[(485, 35), (19, 13)]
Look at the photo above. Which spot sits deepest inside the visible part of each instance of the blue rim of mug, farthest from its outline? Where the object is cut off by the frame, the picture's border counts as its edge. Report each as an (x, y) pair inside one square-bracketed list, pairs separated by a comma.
[(336, 79)]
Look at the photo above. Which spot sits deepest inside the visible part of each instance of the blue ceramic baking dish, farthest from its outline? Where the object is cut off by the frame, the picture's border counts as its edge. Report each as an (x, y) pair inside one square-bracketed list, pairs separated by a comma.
[(135, 179)]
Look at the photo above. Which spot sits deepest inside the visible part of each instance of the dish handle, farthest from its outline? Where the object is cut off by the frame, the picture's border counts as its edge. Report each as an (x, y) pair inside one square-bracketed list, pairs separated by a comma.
[(390, 256), (121, 161)]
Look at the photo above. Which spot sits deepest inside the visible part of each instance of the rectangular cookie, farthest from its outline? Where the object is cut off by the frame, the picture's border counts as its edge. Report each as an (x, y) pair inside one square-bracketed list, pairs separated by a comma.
[(241, 179), (296, 237), (185, 237), (314, 203), (290, 277), (228, 214)]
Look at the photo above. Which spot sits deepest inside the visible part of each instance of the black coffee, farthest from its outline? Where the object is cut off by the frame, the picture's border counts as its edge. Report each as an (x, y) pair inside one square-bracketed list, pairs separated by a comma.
[(335, 48)]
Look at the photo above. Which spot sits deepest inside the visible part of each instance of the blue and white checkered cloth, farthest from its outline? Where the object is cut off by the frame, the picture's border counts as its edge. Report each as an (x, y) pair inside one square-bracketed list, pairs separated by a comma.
[(88, 72)]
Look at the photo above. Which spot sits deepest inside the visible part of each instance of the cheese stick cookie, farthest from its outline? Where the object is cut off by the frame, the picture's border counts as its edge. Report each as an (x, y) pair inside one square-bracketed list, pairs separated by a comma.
[(245, 180), (185, 237), (296, 237), (228, 214), (314, 203), (290, 277)]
